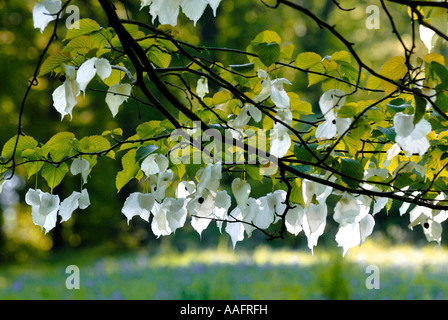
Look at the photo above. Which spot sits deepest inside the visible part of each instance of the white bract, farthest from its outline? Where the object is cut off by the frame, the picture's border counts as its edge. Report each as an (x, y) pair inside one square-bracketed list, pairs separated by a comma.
[(242, 119), (138, 204), (279, 139), (314, 222), (74, 201), (154, 163), (116, 95), (209, 178), (204, 208), (411, 138), (168, 216), (330, 102), (90, 68), (294, 219), (65, 96), (44, 12), (44, 208), (428, 36), (273, 89), (355, 222), (80, 166), (168, 10), (159, 183), (239, 220), (202, 87)]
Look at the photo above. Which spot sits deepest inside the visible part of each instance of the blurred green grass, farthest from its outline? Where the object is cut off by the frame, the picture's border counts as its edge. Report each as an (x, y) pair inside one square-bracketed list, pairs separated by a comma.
[(263, 273)]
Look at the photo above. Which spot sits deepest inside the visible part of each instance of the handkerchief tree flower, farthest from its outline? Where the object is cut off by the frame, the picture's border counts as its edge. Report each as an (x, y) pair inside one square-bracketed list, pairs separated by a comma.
[(216, 124)]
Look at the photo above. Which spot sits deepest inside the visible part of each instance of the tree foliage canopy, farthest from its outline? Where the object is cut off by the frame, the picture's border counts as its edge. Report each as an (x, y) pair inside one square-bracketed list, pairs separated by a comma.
[(377, 134)]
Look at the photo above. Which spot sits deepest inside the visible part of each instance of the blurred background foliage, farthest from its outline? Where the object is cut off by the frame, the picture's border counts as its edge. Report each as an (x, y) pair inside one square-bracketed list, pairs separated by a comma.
[(236, 24)]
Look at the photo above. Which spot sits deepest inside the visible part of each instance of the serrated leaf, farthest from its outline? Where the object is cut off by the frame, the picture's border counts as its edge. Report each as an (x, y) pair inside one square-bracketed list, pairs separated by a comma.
[(395, 68), (159, 58), (130, 169), (82, 27), (54, 61), (304, 154), (149, 129), (306, 60), (25, 142), (54, 174), (94, 144), (79, 45), (269, 53), (60, 146)]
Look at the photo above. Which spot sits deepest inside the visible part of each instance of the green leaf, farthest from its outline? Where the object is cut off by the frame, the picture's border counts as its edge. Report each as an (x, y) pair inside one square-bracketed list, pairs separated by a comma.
[(351, 168), (388, 132), (149, 129), (296, 192), (54, 61), (25, 142), (269, 53), (54, 174), (145, 151), (442, 102), (304, 154), (306, 60), (244, 69), (349, 110), (420, 108), (82, 27), (60, 146), (130, 169), (94, 144), (159, 58), (254, 172)]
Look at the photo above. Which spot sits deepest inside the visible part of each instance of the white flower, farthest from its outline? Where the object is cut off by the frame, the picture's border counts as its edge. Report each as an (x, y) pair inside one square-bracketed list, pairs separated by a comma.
[(330, 102), (168, 10), (90, 68), (202, 87), (411, 138), (391, 153), (280, 141), (185, 189), (238, 220), (44, 12), (242, 119), (64, 96), (209, 178), (159, 183), (314, 222), (274, 89), (168, 216), (355, 222), (430, 220), (294, 219), (205, 207), (271, 206), (138, 204), (44, 208), (428, 36), (81, 166), (116, 95), (312, 189), (241, 191), (74, 201), (154, 163)]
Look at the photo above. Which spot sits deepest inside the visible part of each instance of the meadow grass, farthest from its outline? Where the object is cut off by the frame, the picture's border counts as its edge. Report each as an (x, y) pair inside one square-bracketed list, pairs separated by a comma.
[(262, 273)]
